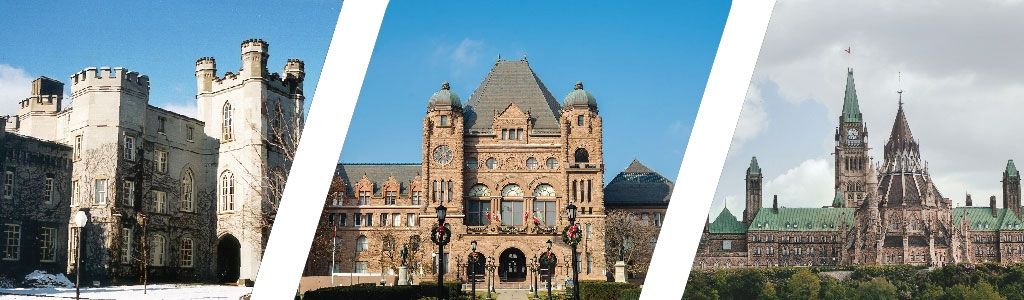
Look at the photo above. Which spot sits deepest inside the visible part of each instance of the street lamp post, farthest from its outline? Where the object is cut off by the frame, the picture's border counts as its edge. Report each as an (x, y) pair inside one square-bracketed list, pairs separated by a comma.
[(573, 237), (441, 235), (81, 219), (474, 258), (533, 264), (547, 261), (490, 279)]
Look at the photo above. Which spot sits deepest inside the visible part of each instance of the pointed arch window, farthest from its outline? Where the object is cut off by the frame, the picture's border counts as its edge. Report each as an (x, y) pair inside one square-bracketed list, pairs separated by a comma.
[(362, 244), (227, 191), (227, 131), (188, 189)]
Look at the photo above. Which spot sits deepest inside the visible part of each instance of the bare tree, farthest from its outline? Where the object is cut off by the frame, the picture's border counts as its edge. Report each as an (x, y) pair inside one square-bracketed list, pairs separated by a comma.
[(323, 251), (629, 238)]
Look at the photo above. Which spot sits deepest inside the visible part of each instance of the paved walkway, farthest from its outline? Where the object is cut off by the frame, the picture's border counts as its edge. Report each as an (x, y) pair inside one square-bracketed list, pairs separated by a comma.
[(513, 294)]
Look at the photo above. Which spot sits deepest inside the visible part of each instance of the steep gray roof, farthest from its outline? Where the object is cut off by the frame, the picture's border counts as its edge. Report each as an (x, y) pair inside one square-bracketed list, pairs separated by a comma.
[(378, 173), (512, 81), (638, 185)]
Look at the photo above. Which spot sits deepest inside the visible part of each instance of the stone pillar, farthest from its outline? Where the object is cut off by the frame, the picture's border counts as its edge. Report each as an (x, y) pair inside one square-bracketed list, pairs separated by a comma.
[(403, 275), (620, 271)]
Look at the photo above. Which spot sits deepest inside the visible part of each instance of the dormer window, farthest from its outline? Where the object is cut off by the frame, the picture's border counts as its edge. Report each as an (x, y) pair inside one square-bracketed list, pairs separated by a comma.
[(444, 121)]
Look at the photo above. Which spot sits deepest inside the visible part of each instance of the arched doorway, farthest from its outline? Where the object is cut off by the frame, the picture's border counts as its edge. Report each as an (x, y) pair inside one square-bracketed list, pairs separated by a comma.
[(512, 265), (229, 259)]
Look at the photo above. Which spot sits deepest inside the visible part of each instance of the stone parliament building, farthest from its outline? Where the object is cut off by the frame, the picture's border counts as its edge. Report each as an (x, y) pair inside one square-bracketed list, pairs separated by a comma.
[(882, 214), (182, 199), (505, 164)]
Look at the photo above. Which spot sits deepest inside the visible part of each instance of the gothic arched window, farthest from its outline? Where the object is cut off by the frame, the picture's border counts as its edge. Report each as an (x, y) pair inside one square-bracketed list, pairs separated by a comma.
[(188, 189), (582, 156), (226, 128), (362, 244), (227, 191)]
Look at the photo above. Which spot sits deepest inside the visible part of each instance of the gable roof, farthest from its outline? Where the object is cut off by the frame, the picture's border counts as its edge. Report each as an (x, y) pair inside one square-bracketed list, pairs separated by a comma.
[(378, 173), (726, 222), (512, 81), (981, 218), (638, 185)]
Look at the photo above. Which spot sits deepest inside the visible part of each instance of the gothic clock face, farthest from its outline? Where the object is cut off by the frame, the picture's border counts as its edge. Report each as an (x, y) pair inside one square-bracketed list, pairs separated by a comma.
[(852, 134), (442, 155)]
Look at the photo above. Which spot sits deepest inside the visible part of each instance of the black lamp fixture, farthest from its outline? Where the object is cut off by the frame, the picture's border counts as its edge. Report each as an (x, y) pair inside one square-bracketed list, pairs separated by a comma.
[(549, 245), (571, 209), (441, 211)]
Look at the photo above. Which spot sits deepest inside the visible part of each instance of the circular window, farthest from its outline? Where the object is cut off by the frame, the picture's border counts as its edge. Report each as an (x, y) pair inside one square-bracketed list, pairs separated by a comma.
[(471, 163), (492, 163), (552, 163), (531, 163)]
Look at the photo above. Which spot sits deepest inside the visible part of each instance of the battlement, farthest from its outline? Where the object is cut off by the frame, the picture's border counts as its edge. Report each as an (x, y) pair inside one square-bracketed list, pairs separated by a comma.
[(206, 63), (107, 76), (254, 45), (40, 100)]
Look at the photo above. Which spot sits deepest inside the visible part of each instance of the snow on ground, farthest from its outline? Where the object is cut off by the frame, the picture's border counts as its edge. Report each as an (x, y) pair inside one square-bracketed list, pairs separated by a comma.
[(154, 291)]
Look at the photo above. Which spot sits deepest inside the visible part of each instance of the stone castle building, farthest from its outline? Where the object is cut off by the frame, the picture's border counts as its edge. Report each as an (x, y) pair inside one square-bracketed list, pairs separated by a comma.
[(505, 164), (882, 214), (34, 203), (179, 198)]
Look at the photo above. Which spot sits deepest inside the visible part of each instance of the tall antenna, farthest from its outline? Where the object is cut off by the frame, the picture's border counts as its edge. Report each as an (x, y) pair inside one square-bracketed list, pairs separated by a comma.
[(899, 86)]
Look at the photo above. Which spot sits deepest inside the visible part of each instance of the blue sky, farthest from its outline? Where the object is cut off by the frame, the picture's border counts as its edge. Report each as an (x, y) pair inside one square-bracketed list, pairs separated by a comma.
[(647, 64), (160, 39)]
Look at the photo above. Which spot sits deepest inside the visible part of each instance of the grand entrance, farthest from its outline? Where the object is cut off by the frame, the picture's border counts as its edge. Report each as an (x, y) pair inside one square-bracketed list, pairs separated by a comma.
[(229, 259), (512, 265)]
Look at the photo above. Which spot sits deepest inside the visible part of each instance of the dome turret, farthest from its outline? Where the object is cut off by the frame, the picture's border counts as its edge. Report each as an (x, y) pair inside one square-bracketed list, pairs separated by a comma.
[(580, 97), (445, 97)]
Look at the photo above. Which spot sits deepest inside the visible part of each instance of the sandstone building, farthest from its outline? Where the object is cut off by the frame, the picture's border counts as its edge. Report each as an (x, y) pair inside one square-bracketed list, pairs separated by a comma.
[(887, 213), (179, 198), (506, 163)]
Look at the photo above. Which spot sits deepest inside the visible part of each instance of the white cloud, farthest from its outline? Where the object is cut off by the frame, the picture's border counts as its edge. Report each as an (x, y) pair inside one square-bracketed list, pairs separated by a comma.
[(961, 74), (462, 57), (809, 184), (15, 85), (753, 119), (187, 109)]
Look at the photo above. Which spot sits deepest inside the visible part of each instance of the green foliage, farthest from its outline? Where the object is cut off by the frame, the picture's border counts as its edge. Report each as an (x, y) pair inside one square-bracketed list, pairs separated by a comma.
[(984, 281), (803, 285), (603, 290), (877, 288), (767, 292), (630, 294)]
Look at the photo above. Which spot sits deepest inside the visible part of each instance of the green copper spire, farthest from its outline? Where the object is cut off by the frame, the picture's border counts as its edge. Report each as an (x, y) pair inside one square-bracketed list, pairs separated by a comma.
[(838, 200), (1011, 170), (754, 169), (851, 108)]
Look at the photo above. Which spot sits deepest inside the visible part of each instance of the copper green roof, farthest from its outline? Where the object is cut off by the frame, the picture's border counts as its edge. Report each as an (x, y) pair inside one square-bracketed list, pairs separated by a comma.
[(580, 97), (1011, 170), (851, 107), (754, 169), (981, 218), (838, 200), (802, 219), (726, 223)]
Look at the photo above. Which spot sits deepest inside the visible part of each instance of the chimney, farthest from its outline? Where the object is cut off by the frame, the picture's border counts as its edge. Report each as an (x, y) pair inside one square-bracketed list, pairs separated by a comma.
[(775, 203), (992, 205), (968, 199)]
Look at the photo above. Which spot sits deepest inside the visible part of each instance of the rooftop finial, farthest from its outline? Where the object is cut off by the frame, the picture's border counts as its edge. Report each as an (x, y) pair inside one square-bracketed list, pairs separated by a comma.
[(445, 86), (899, 85), (579, 85)]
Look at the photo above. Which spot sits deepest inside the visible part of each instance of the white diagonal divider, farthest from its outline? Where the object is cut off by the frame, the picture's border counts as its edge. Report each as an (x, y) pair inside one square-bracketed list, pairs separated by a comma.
[(707, 149), (317, 155)]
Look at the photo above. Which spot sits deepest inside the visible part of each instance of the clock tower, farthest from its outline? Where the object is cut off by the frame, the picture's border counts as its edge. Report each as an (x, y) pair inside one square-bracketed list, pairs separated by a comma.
[(851, 154), (443, 153)]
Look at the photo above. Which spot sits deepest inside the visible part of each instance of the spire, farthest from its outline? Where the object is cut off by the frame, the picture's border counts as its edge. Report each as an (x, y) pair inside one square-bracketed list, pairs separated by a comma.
[(754, 169), (851, 107), (838, 200), (900, 128), (1011, 170)]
